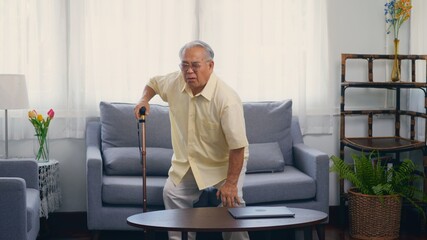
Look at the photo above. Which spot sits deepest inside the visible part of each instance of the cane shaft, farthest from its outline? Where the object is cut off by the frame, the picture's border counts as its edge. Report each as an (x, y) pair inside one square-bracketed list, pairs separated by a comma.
[(144, 169)]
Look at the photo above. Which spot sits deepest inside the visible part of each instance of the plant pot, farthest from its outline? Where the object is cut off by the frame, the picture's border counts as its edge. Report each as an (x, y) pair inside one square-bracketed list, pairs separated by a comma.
[(374, 217)]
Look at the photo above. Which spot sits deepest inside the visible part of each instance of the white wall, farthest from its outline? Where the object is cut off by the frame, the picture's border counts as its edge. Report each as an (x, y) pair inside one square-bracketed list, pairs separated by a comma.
[(354, 27)]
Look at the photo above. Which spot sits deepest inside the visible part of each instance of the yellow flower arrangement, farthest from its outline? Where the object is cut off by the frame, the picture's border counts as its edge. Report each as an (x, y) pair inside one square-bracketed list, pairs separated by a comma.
[(397, 12)]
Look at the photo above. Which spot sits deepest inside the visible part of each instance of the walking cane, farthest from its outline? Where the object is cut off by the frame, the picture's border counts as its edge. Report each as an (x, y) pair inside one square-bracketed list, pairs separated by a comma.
[(143, 158)]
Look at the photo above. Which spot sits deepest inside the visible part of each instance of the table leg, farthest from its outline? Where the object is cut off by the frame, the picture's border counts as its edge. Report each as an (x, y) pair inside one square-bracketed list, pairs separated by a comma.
[(320, 228), (267, 235), (149, 235), (184, 236), (308, 233), (290, 234)]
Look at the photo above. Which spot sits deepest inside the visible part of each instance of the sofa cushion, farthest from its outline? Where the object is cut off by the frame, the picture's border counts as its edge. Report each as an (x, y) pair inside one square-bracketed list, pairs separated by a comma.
[(265, 157), (270, 122), (119, 128), (289, 185), (127, 190), (118, 125), (127, 161)]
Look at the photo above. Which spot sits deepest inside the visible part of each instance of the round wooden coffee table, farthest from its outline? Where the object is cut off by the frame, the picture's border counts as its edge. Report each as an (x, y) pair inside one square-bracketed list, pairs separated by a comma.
[(219, 220)]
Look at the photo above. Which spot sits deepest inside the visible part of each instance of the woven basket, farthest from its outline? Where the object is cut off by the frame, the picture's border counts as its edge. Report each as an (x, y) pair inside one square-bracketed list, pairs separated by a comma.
[(374, 217)]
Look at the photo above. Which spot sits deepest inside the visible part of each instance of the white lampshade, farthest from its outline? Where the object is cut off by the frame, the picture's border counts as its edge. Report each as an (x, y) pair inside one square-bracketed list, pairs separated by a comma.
[(13, 95), (13, 91)]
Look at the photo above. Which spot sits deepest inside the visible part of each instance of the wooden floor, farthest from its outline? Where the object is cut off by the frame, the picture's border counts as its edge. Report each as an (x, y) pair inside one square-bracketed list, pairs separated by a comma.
[(332, 233), (72, 226)]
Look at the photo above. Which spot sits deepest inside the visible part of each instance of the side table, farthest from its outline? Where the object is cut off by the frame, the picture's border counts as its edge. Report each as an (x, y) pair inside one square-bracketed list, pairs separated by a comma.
[(50, 191)]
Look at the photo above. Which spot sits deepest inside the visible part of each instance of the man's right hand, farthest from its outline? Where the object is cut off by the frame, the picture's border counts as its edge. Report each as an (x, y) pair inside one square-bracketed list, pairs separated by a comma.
[(147, 95), (139, 106)]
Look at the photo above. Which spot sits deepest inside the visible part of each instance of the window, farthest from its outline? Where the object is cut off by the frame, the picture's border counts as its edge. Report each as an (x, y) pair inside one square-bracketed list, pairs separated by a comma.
[(76, 53)]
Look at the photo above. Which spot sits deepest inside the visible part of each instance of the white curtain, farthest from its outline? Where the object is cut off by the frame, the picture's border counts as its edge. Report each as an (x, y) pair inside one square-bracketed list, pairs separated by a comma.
[(76, 53), (116, 46), (273, 50), (33, 41), (418, 45)]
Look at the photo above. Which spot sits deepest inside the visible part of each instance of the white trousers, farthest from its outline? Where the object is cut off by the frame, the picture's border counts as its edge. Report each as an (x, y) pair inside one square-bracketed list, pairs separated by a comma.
[(185, 194)]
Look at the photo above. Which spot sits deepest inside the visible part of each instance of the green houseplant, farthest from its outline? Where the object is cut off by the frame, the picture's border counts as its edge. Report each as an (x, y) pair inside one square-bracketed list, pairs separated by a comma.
[(375, 201)]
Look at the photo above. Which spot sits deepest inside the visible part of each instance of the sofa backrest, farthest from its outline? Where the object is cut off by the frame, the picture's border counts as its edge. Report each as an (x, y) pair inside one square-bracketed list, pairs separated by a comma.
[(119, 128), (268, 128)]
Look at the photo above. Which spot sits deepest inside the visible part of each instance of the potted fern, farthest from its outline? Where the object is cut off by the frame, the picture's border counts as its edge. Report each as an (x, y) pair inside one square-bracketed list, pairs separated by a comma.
[(375, 201)]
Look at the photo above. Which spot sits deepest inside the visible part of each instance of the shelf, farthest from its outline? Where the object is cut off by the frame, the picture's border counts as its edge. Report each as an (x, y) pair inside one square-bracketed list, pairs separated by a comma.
[(389, 147), (400, 84), (381, 56), (383, 144), (384, 111)]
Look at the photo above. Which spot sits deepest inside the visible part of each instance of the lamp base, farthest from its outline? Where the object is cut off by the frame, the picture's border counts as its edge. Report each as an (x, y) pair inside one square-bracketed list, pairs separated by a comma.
[(6, 136)]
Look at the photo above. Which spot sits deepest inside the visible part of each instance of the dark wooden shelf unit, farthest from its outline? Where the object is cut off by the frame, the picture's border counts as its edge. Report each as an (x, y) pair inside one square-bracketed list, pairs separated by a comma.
[(384, 144)]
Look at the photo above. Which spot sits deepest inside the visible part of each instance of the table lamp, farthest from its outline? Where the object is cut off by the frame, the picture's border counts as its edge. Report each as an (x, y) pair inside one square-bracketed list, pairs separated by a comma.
[(13, 95)]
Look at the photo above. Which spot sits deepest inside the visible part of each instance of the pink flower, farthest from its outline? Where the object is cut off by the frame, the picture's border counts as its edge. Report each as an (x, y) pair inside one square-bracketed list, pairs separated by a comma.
[(51, 113)]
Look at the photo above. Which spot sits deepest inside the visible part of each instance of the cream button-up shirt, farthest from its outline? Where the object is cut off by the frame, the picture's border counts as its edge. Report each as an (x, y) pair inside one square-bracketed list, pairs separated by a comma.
[(204, 127)]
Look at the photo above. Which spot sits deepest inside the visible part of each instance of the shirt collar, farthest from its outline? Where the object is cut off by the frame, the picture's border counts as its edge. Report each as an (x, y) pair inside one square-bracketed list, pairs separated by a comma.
[(207, 91)]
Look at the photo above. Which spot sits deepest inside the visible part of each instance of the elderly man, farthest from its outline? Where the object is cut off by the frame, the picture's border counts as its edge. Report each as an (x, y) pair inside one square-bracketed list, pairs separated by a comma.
[(208, 133)]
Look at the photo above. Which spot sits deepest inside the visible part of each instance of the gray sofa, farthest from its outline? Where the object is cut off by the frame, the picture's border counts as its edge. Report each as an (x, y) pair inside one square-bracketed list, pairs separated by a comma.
[(281, 169), (19, 199)]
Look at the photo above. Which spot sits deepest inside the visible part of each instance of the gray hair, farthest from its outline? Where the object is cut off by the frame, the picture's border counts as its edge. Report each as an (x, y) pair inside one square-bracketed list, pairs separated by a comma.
[(198, 43)]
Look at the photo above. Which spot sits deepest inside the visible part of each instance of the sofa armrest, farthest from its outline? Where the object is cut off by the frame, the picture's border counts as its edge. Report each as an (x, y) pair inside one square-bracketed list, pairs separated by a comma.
[(25, 168), (93, 159), (13, 208), (315, 164), (94, 171), (93, 176)]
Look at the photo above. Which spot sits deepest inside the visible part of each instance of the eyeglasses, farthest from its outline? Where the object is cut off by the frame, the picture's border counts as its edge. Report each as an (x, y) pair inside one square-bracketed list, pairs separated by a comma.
[(195, 66)]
